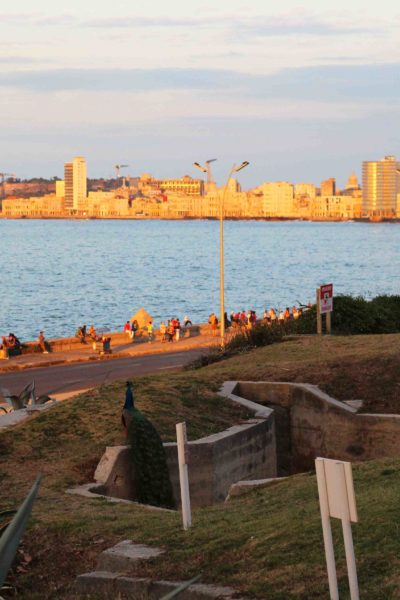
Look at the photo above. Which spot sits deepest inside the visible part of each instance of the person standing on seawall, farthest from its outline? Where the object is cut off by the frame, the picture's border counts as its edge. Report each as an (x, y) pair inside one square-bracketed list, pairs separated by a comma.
[(42, 343)]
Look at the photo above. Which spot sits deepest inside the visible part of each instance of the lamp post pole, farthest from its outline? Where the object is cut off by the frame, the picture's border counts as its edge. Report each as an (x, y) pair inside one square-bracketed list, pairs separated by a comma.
[(234, 169)]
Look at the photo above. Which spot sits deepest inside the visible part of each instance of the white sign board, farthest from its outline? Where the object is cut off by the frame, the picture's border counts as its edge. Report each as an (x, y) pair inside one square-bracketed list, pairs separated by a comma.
[(340, 489), (337, 499), (326, 298)]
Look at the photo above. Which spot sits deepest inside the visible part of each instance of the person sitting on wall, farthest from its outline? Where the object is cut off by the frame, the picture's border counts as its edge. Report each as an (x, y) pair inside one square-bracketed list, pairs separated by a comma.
[(13, 344), (187, 322), (42, 343), (4, 348), (93, 333), (81, 334)]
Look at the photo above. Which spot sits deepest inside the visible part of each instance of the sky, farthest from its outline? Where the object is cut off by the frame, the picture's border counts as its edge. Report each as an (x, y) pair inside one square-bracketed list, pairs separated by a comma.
[(303, 91)]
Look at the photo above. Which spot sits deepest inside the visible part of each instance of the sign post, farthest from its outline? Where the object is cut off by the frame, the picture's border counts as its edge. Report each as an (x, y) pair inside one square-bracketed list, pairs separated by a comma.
[(183, 459), (337, 499), (324, 307)]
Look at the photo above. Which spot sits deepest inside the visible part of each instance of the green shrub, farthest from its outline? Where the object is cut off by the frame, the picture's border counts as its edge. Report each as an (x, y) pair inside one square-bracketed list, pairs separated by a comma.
[(260, 335), (353, 316), (153, 485)]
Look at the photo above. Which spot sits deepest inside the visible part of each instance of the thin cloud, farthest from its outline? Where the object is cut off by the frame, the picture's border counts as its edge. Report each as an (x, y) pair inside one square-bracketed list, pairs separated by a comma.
[(147, 22), (257, 25), (323, 83), (22, 60)]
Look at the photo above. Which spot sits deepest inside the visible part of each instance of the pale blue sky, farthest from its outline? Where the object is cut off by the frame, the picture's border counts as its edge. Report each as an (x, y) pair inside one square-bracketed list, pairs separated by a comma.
[(303, 92)]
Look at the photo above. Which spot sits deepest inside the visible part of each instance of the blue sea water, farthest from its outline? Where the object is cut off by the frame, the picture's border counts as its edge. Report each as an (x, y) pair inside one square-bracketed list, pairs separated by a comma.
[(56, 275)]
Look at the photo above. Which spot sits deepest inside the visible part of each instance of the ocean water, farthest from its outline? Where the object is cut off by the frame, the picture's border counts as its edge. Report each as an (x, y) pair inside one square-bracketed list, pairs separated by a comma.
[(56, 275)]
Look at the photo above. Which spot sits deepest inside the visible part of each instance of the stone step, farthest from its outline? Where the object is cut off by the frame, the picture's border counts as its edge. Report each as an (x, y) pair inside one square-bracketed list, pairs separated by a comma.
[(124, 555), (105, 584)]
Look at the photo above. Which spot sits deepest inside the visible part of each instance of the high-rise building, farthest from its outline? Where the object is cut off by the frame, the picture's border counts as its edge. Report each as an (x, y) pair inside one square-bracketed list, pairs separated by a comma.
[(381, 184), (328, 187), (75, 177)]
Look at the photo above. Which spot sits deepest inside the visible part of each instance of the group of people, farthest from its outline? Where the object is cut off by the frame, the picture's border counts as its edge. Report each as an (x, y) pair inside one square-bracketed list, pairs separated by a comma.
[(82, 333), (248, 319), (12, 346), (131, 329), (169, 331), (273, 315)]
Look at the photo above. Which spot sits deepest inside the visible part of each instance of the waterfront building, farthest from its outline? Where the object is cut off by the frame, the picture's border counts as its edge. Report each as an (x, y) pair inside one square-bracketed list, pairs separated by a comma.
[(106, 205), (305, 190), (35, 207), (335, 208), (60, 188), (328, 187), (185, 185), (75, 178), (381, 184), (278, 199)]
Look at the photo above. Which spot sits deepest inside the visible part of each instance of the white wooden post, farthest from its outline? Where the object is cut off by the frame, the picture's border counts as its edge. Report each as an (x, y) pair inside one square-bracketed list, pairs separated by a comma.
[(183, 459), (318, 307), (326, 529), (351, 560)]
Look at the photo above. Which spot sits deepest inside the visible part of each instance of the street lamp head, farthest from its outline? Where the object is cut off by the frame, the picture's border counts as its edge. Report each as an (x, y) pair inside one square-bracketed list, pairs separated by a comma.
[(198, 166), (244, 164)]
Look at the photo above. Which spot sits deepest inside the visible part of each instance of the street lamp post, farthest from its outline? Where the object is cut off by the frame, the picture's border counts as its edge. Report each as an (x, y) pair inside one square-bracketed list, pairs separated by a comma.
[(234, 169)]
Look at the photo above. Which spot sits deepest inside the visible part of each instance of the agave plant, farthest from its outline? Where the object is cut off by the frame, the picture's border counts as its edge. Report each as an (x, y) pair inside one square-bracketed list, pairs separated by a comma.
[(28, 396), (14, 530), (5, 519)]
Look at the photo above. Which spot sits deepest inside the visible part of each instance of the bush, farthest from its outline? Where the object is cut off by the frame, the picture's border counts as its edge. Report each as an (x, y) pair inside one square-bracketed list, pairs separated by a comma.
[(260, 335), (242, 341), (351, 316)]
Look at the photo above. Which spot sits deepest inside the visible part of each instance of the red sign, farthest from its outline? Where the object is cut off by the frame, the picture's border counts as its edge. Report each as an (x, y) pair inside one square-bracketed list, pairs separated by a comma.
[(326, 298)]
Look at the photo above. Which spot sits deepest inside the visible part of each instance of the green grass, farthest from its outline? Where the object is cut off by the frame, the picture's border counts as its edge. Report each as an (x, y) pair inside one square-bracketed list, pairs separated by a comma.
[(268, 543)]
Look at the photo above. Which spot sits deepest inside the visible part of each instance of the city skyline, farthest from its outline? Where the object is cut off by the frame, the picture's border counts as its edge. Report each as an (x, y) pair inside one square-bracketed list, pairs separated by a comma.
[(302, 93)]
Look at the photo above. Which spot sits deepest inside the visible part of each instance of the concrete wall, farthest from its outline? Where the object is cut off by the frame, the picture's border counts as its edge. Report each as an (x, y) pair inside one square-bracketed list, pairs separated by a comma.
[(215, 462), (322, 426), (73, 343)]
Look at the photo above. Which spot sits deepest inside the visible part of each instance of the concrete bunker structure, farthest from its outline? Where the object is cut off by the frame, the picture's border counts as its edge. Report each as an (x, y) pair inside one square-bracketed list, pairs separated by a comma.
[(292, 424)]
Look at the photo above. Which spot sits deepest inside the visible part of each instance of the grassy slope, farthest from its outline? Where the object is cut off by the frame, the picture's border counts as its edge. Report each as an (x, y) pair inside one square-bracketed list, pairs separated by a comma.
[(269, 541)]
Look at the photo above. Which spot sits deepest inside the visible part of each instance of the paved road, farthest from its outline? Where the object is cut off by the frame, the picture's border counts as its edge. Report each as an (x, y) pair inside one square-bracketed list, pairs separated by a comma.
[(89, 374)]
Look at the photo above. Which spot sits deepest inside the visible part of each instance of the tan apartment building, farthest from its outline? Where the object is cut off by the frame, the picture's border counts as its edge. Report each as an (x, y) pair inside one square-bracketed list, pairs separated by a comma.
[(35, 207), (335, 208), (328, 187), (278, 199), (106, 205), (185, 185), (307, 190)]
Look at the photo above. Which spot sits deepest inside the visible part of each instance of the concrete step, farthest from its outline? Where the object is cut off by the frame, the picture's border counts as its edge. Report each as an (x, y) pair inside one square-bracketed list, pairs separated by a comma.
[(105, 584), (122, 556)]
